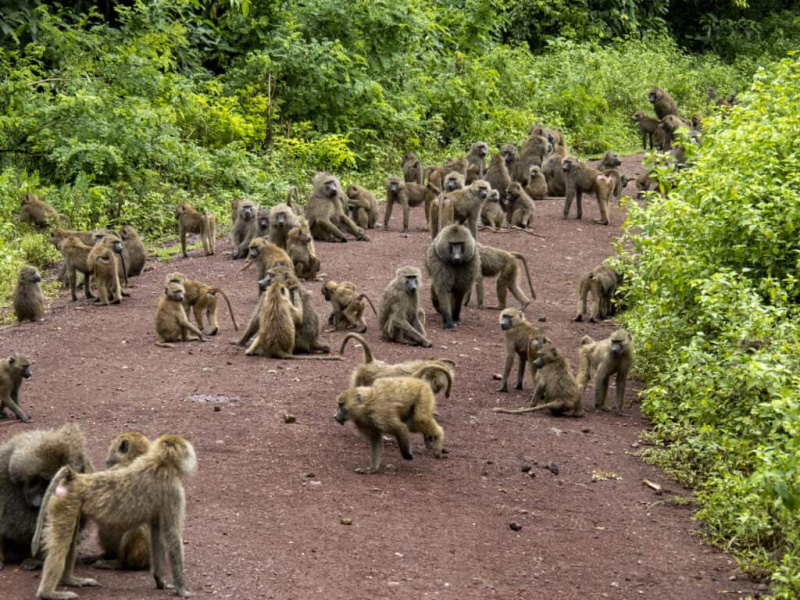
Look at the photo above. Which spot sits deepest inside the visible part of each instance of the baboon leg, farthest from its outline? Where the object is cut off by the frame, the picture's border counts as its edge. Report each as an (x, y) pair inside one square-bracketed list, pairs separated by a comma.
[(348, 225), (568, 201), (479, 291), (60, 543), (406, 212), (434, 436), (388, 214), (458, 302), (403, 332), (183, 242), (211, 313), (621, 381), (68, 578), (254, 346), (446, 309), (72, 277), (583, 291), (252, 328), (174, 543), (331, 230), (198, 315), (509, 364), (601, 388), (537, 394), (521, 370), (375, 453), (157, 556), (579, 204), (108, 565), (428, 202), (597, 295), (578, 410), (14, 407), (400, 431), (555, 406), (602, 203)]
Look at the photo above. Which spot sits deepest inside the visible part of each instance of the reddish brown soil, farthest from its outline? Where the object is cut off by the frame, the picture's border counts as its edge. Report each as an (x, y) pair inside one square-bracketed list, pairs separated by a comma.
[(264, 511)]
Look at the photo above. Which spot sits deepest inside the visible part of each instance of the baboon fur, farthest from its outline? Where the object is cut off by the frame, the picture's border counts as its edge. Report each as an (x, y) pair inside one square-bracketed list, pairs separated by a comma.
[(362, 206), (325, 211), (412, 168), (493, 211), (477, 156), (201, 299), (662, 102), (461, 206), (503, 265), (511, 157), (28, 298), (602, 282), (281, 221), (171, 322), (12, 371), (244, 229), (266, 255), (301, 251), (604, 358), (400, 316), (497, 174), (76, 259), (580, 179), (454, 266), (519, 334), (553, 170), (202, 224), (407, 195), (647, 127), (533, 152), (454, 181), (38, 212), (536, 187), (519, 205), (436, 175), (134, 250), (347, 304), (106, 270)]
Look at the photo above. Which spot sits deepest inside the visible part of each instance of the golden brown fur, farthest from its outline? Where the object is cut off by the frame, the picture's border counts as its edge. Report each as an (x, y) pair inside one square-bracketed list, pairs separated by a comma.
[(325, 211), (171, 322), (662, 102), (477, 156), (106, 270), (76, 259), (519, 335), (347, 306), (436, 175), (602, 282), (581, 178), (407, 195), (245, 228), (266, 255), (28, 298), (362, 206), (503, 265), (202, 299), (281, 220), (276, 324), (536, 187), (493, 211), (301, 250), (12, 371), (134, 250), (461, 206), (519, 205), (412, 168), (604, 358), (401, 318), (647, 128), (193, 221), (38, 212)]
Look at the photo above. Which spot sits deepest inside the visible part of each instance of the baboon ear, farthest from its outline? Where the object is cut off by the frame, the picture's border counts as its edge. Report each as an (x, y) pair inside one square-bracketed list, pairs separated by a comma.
[(359, 398), (124, 446)]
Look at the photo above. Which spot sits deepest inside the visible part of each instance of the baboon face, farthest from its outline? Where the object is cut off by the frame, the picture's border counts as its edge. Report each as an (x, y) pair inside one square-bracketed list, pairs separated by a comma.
[(618, 341), (128, 232), (481, 188), (535, 170), (105, 258), (547, 354), (20, 364), (567, 164), (654, 95), (342, 415), (174, 291), (247, 210), (33, 491), (612, 159), (394, 185), (181, 209), (494, 196), (412, 284), (536, 344), (330, 187), (280, 219), (263, 222), (506, 322), (29, 275), (453, 181), (509, 153), (327, 290), (481, 149), (456, 252)]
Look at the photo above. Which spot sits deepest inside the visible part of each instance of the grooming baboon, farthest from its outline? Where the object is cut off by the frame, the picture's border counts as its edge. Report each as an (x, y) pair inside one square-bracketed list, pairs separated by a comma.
[(511, 157), (454, 267), (519, 333), (412, 168), (602, 282), (325, 211), (245, 228), (362, 206), (436, 175), (647, 127), (348, 306), (371, 369), (396, 406), (295, 204), (407, 195), (604, 358), (580, 179), (28, 298), (503, 265), (171, 322), (38, 212), (12, 371), (519, 205), (555, 384), (276, 324), (537, 183), (453, 181), (110, 239), (553, 170), (497, 174), (106, 267), (28, 461), (146, 492), (266, 255), (662, 102), (202, 300), (300, 248), (477, 156), (493, 212), (401, 318), (133, 250), (281, 220), (193, 221), (461, 206)]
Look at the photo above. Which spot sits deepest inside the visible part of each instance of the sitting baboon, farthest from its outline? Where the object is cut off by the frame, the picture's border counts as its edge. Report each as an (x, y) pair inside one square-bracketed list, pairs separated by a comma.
[(647, 127), (497, 174), (407, 195), (519, 205), (503, 265), (662, 102), (436, 175), (133, 250), (193, 221), (325, 211), (401, 318), (477, 156), (347, 306), (461, 206), (39, 213), (493, 211), (395, 406), (580, 179), (362, 206), (454, 267), (28, 298), (536, 187), (171, 322), (533, 152), (266, 255), (604, 358), (245, 228), (202, 300), (276, 324), (519, 335), (608, 165), (412, 168), (454, 181), (301, 250), (553, 170), (280, 221), (106, 270), (511, 157), (602, 282), (12, 371)]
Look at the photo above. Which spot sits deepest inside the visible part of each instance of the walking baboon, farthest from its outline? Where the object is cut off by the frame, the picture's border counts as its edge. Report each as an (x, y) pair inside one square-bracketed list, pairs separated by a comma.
[(497, 174), (519, 205), (301, 251), (519, 333), (580, 179), (454, 181), (133, 250), (28, 461), (662, 102), (477, 156), (503, 265), (76, 259), (202, 300), (401, 318), (39, 213), (407, 195), (493, 212), (245, 228), (537, 183), (602, 282), (348, 306), (105, 272), (28, 298), (171, 322), (203, 224), (280, 221), (454, 266), (362, 206), (146, 492), (396, 406), (553, 170), (325, 211), (12, 371), (647, 127), (412, 168), (266, 255), (604, 358)]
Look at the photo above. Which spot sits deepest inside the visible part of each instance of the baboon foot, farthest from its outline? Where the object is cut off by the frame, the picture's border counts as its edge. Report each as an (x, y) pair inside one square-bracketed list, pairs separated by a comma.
[(406, 454), (184, 593), (126, 294), (365, 470), (592, 320), (31, 564), (518, 386), (503, 389), (59, 596), (213, 331), (108, 565), (579, 318), (579, 216), (80, 582), (26, 419), (601, 222)]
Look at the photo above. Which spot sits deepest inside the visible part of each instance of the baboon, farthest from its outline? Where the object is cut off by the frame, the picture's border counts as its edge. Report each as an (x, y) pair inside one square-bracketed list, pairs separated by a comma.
[(266, 255), (555, 385), (301, 251), (263, 221), (146, 492), (604, 358), (12, 371), (58, 235), (718, 103), (38, 212), (110, 239), (244, 229), (473, 174), (363, 206), (235, 204), (325, 211), (76, 259), (461, 206), (519, 205), (645, 182), (280, 220), (711, 96), (171, 322), (401, 318), (128, 550), (602, 281), (106, 272), (436, 175), (554, 136), (697, 123), (348, 306), (407, 195), (519, 333), (537, 183), (28, 461), (493, 212), (662, 102), (553, 170), (28, 299), (503, 265), (454, 181), (295, 204), (202, 300), (454, 267), (276, 324), (533, 152), (395, 406), (203, 224), (647, 127), (511, 156), (133, 250), (580, 179), (477, 156), (371, 369), (608, 165), (412, 168), (497, 174)]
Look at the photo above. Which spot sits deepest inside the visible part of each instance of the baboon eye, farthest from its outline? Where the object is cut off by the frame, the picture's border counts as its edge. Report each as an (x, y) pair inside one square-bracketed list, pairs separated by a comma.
[(124, 446)]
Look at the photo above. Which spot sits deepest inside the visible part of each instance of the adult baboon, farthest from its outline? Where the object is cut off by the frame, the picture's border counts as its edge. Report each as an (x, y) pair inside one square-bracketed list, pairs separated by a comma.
[(407, 195), (497, 174), (193, 221), (202, 300), (533, 152), (266, 255), (454, 267), (362, 206), (602, 282), (58, 235), (28, 298), (325, 211), (554, 136), (76, 259), (519, 333), (245, 228), (301, 250), (454, 181), (148, 492), (519, 205), (12, 371), (106, 270), (110, 239), (477, 156), (608, 165), (511, 157), (461, 206), (347, 306), (133, 250), (39, 213), (276, 324), (493, 211), (536, 187), (553, 170), (171, 322), (396, 406), (263, 221), (647, 127), (401, 318), (580, 179), (412, 168), (503, 265), (604, 358), (281, 220), (662, 102)]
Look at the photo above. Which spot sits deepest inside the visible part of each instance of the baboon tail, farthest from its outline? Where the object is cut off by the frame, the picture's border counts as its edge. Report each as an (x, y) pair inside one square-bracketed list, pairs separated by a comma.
[(64, 472), (521, 258), (430, 370), (228, 302), (364, 296), (368, 358)]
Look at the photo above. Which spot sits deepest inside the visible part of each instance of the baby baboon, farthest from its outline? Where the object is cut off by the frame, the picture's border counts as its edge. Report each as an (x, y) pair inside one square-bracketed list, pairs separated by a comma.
[(193, 221), (454, 267), (503, 265), (511, 156), (580, 179), (171, 322), (106, 272), (553, 170), (555, 385), (28, 461), (363, 206), (647, 127), (493, 212), (407, 195), (602, 281), (537, 183), (396, 406), (325, 211), (371, 369), (519, 333), (280, 220), (35, 211), (348, 306), (266, 255), (412, 168), (202, 299), (12, 371), (520, 206), (497, 174), (28, 299), (133, 250), (244, 229), (454, 181), (477, 156), (662, 102), (401, 318), (146, 492), (613, 355), (301, 251), (76, 259)]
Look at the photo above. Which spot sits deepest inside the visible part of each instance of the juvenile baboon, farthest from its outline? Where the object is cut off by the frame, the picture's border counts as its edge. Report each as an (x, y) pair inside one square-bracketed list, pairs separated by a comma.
[(171, 322), (407, 195), (202, 300), (602, 282), (604, 358), (401, 318), (245, 228), (454, 267), (493, 212), (133, 250), (38, 212), (396, 406), (662, 102), (461, 206), (519, 333), (553, 170), (106, 272), (266, 255), (76, 259), (28, 461), (511, 157), (325, 211), (647, 127), (497, 174), (555, 384), (347, 306), (110, 239), (263, 221), (203, 224), (503, 265), (280, 220), (519, 205), (477, 156), (362, 206), (454, 181), (12, 371), (300, 248), (147, 492), (537, 183), (412, 168), (293, 201), (28, 298), (580, 179)]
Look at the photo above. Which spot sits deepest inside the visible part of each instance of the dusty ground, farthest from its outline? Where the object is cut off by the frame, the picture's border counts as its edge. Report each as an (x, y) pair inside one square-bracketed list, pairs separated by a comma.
[(264, 510)]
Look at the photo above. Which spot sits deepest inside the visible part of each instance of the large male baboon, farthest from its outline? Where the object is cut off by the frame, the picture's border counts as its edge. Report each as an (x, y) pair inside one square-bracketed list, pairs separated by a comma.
[(453, 263)]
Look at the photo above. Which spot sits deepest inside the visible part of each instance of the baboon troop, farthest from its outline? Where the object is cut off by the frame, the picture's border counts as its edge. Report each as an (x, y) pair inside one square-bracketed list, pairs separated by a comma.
[(28, 298)]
